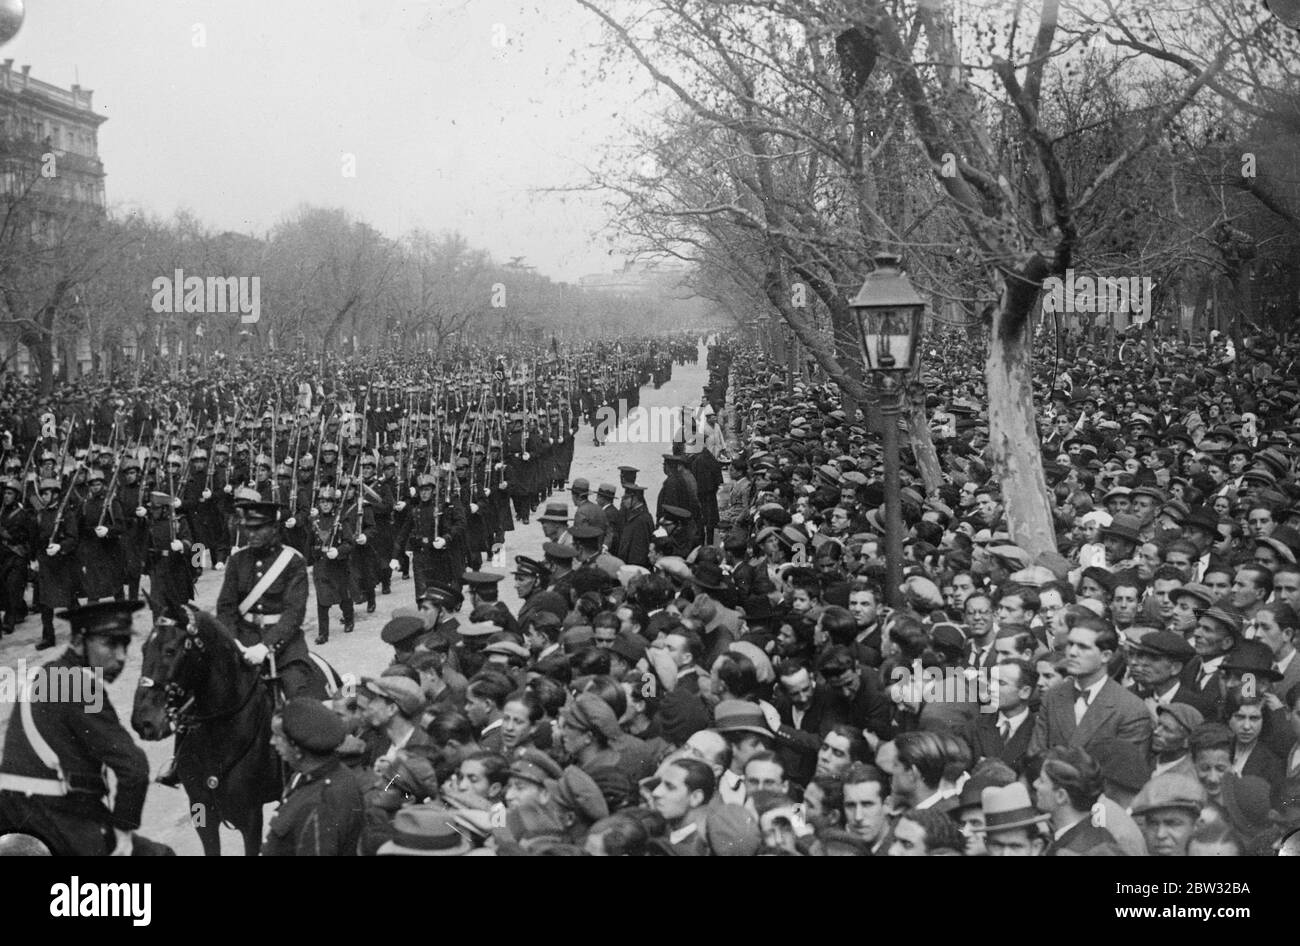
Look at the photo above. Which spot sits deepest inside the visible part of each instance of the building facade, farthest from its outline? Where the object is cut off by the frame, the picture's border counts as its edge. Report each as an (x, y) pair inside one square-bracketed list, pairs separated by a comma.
[(49, 161)]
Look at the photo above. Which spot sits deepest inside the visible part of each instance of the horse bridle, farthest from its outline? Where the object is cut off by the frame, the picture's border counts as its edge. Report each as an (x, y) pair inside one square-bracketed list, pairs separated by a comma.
[(178, 700)]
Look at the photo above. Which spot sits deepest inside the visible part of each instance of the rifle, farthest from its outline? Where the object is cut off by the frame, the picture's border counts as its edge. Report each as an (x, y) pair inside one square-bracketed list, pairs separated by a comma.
[(338, 518), (315, 470), (58, 517), (27, 468)]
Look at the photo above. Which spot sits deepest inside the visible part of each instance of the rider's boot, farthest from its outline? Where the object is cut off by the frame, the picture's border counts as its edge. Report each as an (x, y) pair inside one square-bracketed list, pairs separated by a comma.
[(323, 622)]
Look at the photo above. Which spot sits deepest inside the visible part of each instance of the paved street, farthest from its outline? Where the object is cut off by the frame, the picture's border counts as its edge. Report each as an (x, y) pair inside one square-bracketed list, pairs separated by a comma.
[(166, 815)]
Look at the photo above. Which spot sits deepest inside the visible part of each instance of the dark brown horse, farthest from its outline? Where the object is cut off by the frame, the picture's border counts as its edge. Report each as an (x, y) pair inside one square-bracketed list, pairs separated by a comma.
[(195, 682)]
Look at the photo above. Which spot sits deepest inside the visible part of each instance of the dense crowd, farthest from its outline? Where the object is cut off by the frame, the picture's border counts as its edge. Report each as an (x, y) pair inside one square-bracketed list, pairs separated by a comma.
[(728, 675)]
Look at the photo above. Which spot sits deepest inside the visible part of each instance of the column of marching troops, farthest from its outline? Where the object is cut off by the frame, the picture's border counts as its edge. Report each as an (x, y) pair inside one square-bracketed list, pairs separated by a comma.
[(440, 469), (424, 481)]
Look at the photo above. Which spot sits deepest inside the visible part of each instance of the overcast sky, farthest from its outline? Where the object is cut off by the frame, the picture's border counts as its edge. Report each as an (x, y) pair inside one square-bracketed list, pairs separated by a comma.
[(242, 109)]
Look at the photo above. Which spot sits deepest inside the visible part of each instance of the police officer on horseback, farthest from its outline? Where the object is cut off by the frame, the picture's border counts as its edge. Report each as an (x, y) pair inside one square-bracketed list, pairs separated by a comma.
[(63, 733), (264, 597)]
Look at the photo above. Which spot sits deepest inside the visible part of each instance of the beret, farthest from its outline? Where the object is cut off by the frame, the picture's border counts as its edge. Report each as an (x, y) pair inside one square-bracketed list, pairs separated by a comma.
[(310, 724), (401, 628)]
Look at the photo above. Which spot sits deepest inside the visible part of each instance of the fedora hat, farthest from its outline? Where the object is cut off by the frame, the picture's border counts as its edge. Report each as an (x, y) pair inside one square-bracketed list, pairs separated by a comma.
[(1008, 807), (1253, 657), (739, 716), (555, 512), (1202, 517), (1124, 527), (708, 575), (421, 831)]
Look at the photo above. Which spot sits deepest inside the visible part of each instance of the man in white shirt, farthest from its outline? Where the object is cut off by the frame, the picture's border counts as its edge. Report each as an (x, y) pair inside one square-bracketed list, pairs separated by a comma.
[(391, 705)]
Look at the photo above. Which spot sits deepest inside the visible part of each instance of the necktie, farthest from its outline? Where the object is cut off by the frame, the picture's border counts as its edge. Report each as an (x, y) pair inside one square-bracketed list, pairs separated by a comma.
[(1004, 729)]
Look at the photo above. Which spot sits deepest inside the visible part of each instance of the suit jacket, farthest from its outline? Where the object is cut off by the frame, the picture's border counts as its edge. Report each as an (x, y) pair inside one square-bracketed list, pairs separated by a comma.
[(1265, 764), (1188, 694), (1289, 679), (798, 746), (1115, 713), (870, 708), (1080, 839), (987, 743), (1213, 691)]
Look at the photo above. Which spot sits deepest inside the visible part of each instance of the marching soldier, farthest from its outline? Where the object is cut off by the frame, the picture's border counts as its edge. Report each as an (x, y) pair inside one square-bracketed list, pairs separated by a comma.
[(170, 570), (199, 506), (332, 544), (263, 596), (17, 532), (428, 535), (131, 498), (364, 562), (99, 541), (56, 537), (51, 776)]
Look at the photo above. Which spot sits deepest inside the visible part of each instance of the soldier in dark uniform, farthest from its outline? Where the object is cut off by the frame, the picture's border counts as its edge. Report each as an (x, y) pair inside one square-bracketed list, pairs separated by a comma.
[(56, 542), (613, 515), (52, 782), (298, 507), (132, 499), (559, 562), (330, 466), (531, 579), (386, 488), (483, 591), (679, 487), (403, 508), (222, 487), (428, 535), (198, 504), (17, 533), (99, 549), (321, 814), (331, 550), (637, 528), (268, 623), (515, 471), (364, 563), (676, 522), (171, 574)]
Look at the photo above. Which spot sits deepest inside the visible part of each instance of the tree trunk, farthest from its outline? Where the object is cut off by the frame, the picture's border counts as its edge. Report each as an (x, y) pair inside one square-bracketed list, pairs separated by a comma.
[(927, 458), (1013, 434)]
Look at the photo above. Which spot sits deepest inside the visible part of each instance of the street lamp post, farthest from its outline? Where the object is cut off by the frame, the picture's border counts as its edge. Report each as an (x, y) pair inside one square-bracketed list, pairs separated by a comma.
[(889, 315)]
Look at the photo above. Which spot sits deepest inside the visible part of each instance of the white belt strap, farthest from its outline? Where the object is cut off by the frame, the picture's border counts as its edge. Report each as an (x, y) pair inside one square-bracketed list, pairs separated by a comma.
[(44, 752), (272, 573)]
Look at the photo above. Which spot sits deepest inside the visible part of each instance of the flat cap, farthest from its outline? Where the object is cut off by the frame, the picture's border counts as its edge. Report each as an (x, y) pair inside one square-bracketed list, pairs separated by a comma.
[(1169, 790)]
